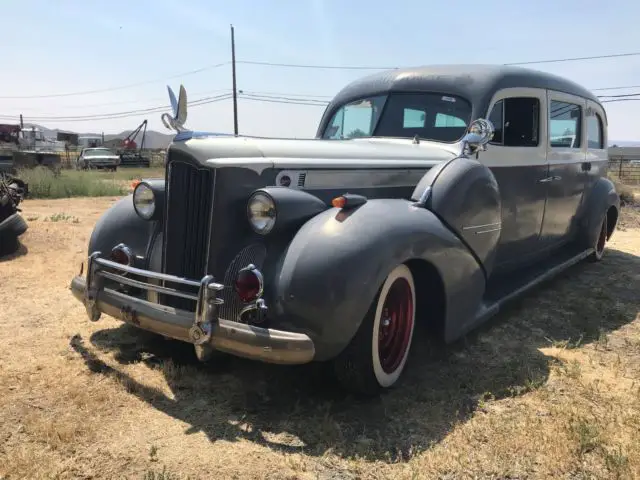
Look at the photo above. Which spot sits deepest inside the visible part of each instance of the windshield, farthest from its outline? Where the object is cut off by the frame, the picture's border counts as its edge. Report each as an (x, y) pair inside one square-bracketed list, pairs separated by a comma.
[(98, 151), (431, 116)]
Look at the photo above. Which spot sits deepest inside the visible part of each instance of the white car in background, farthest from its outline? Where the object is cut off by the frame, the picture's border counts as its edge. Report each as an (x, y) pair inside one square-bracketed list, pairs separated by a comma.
[(98, 157)]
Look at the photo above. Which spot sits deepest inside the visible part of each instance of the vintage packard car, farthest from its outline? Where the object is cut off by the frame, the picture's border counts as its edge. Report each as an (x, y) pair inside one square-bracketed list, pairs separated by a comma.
[(331, 248)]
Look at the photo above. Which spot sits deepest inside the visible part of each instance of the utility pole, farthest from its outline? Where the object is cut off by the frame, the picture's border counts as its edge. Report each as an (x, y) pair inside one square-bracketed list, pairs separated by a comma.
[(233, 74)]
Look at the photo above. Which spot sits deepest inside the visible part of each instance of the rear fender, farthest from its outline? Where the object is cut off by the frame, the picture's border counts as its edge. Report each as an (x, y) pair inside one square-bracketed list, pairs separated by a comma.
[(331, 271), (598, 200)]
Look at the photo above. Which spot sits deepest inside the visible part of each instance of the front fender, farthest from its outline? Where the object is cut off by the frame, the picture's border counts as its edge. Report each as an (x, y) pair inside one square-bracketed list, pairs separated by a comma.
[(334, 266), (121, 224), (598, 200)]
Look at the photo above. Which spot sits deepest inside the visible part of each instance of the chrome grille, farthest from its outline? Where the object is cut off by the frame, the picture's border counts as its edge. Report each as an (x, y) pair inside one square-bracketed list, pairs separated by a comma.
[(189, 203), (254, 253)]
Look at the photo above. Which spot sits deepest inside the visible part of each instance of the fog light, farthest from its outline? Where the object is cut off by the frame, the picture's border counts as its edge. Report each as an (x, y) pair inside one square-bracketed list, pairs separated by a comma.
[(249, 283), (122, 254)]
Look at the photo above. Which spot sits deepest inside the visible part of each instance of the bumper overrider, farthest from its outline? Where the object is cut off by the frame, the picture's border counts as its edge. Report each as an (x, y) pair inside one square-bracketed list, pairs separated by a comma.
[(201, 328)]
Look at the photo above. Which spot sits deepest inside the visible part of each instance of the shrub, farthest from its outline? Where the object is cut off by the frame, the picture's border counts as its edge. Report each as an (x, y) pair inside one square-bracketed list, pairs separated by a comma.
[(43, 183)]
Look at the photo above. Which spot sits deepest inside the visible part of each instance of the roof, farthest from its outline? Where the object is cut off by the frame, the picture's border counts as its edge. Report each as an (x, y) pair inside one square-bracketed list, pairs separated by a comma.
[(477, 83)]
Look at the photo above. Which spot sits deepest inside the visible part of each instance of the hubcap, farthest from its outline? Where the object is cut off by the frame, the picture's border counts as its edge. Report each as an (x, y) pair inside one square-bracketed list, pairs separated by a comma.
[(395, 325)]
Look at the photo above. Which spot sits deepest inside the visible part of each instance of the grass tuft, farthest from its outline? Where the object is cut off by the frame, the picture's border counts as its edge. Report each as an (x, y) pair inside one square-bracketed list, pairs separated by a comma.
[(43, 183)]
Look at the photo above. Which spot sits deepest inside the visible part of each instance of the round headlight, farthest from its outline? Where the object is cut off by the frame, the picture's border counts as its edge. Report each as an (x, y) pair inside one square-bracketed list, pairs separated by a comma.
[(144, 201), (261, 211)]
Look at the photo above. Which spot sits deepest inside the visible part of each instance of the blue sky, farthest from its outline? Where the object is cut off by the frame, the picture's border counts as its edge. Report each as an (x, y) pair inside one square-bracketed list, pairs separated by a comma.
[(68, 46)]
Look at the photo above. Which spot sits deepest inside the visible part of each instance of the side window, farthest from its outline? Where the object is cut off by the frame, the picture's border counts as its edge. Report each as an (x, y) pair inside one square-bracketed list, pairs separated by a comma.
[(594, 132), (444, 120), (516, 121), (413, 118), (564, 124)]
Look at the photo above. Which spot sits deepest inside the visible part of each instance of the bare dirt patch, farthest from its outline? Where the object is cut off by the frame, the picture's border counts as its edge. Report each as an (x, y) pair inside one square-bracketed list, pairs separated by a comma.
[(549, 389)]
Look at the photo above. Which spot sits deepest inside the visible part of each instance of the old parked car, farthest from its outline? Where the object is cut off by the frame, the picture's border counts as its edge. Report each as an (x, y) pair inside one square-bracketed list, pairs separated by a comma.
[(431, 194), (99, 158)]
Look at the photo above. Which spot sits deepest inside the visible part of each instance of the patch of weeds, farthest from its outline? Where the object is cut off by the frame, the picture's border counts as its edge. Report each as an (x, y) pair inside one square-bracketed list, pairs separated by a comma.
[(43, 183), (571, 369), (586, 435), (62, 217), (602, 341), (616, 461), (153, 453), (566, 344), (163, 475)]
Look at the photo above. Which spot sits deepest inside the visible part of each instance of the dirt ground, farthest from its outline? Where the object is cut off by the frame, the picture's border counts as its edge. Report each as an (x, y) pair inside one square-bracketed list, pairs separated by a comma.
[(549, 389)]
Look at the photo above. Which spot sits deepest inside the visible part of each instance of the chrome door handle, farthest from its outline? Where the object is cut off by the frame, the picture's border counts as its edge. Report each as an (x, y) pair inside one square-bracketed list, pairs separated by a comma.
[(555, 178)]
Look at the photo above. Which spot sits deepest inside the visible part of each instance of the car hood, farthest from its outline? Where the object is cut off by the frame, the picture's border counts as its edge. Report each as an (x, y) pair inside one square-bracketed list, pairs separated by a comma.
[(287, 153)]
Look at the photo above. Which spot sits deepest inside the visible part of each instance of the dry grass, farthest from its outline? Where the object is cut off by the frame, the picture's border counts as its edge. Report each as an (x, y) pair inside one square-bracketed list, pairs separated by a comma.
[(549, 389)]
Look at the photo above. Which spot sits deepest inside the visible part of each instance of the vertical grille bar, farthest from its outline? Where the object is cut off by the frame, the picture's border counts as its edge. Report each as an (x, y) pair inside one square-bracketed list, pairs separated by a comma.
[(189, 203)]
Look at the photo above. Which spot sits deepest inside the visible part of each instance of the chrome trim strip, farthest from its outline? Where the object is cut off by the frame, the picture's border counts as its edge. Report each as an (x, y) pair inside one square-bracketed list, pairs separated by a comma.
[(489, 231), (145, 273), (470, 227), (147, 286)]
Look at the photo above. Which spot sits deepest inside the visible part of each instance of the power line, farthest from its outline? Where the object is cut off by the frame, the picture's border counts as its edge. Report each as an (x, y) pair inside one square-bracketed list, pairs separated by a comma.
[(125, 114), (614, 88), (620, 96), (273, 100), (293, 65), (621, 100), (121, 87), (576, 59)]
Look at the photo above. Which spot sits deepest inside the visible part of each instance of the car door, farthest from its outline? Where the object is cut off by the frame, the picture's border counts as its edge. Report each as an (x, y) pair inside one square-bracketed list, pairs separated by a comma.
[(566, 156), (517, 158)]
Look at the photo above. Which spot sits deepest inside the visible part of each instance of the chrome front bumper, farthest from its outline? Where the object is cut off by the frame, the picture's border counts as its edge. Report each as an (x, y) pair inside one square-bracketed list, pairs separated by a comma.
[(202, 328)]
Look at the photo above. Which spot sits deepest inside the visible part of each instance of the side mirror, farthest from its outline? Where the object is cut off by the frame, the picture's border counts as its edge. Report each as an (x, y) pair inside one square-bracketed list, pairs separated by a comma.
[(479, 133)]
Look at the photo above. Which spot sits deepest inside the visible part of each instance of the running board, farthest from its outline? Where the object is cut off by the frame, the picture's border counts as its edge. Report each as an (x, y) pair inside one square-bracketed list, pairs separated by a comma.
[(496, 298)]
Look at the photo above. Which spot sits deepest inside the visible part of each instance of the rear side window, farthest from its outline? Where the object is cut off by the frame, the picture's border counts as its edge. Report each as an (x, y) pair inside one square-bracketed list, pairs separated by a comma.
[(516, 121), (565, 124), (595, 138)]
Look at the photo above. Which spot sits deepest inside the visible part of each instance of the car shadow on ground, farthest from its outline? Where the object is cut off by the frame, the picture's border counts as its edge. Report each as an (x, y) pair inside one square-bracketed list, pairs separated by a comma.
[(302, 409)]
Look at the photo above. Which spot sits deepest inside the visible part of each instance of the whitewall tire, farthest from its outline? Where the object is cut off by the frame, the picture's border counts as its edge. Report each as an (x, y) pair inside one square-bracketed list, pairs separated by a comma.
[(377, 355)]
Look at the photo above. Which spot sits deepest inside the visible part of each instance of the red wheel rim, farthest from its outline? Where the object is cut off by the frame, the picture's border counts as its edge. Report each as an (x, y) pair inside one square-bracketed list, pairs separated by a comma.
[(396, 324)]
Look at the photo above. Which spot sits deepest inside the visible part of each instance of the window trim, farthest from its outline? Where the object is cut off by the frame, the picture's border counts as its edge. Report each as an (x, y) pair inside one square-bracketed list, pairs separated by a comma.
[(527, 92), (581, 127), (515, 95), (598, 118)]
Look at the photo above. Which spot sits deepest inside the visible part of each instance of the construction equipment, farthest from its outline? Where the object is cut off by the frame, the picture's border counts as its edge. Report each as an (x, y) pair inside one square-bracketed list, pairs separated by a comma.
[(130, 154)]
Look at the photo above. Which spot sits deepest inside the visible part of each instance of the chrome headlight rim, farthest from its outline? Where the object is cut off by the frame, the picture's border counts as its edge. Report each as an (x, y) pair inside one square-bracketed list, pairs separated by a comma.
[(265, 199), (141, 188)]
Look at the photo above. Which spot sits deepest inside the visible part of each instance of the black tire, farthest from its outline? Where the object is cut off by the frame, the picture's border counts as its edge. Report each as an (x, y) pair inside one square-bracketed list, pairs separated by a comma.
[(360, 368), (8, 245), (600, 243)]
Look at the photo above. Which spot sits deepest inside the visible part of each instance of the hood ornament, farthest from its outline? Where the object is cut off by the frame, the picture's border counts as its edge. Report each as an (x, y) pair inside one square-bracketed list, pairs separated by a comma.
[(179, 110)]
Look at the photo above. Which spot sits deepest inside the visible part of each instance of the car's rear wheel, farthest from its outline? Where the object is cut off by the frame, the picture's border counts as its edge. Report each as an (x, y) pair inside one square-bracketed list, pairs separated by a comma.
[(601, 241), (377, 354)]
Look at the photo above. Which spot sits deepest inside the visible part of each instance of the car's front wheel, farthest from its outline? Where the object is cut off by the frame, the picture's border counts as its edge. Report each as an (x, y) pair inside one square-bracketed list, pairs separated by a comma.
[(377, 354)]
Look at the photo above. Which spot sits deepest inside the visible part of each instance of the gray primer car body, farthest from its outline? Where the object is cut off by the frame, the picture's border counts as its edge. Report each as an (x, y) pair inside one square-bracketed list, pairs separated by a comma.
[(462, 223)]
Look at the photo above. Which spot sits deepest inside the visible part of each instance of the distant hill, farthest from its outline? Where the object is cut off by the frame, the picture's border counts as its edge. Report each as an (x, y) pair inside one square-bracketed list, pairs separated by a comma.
[(152, 138)]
